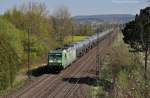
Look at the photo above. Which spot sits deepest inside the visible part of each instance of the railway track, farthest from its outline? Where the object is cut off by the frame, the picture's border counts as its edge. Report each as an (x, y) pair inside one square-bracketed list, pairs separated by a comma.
[(53, 86), (71, 90), (66, 88), (58, 82), (36, 87), (53, 95)]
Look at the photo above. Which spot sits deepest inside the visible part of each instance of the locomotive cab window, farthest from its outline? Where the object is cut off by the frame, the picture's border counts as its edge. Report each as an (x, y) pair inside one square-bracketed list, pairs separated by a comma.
[(55, 57)]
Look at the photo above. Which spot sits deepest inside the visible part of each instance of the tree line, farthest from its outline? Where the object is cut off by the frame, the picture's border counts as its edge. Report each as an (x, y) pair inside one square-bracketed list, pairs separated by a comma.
[(137, 36)]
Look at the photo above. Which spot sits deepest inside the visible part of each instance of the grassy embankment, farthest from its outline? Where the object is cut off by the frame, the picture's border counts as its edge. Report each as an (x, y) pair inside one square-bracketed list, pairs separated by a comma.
[(74, 38)]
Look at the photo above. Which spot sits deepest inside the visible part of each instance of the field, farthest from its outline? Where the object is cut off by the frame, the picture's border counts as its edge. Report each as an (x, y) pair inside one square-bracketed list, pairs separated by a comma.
[(69, 39)]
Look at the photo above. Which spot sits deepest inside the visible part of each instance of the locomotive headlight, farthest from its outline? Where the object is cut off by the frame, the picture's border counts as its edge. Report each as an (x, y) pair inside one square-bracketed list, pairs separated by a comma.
[(51, 61), (59, 61)]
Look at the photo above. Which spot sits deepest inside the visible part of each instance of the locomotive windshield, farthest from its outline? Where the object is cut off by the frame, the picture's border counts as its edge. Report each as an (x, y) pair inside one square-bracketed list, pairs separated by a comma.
[(55, 58)]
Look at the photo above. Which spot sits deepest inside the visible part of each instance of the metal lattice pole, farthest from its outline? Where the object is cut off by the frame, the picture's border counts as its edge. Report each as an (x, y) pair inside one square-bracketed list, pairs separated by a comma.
[(72, 33), (29, 45), (29, 54), (97, 56)]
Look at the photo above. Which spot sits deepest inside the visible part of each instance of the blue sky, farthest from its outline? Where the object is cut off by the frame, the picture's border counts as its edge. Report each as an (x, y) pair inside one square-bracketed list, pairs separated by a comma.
[(85, 7)]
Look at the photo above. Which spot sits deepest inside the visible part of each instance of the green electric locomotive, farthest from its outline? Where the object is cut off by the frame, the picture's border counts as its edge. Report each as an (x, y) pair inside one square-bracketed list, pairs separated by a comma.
[(61, 58)]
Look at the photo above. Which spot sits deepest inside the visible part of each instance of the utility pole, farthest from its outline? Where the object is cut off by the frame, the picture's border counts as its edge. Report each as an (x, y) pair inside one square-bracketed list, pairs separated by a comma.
[(29, 54), (97, 55), (62, 36), (72, 32), (29, 45), (146, 63)]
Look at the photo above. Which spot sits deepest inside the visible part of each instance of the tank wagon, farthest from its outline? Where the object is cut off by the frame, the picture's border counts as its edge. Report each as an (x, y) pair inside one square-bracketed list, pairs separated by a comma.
[(63, 57)]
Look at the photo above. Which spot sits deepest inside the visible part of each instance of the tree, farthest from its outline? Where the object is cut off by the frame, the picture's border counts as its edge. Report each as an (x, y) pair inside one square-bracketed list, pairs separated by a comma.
[(11, 51), (62, 24), (33, 18), (137, 35)]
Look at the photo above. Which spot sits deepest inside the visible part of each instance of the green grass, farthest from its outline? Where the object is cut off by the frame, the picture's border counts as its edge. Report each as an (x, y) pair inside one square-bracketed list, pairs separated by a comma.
[(75, 39), (97, 92), (15, 87), (19, 82)]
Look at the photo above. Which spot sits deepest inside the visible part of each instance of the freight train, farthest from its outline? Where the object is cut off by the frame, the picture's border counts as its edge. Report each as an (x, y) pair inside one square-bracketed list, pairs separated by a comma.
[(62, 57)]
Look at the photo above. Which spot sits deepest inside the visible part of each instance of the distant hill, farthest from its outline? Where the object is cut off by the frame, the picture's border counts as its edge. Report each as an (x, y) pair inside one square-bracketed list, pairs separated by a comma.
[(112, 18)]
